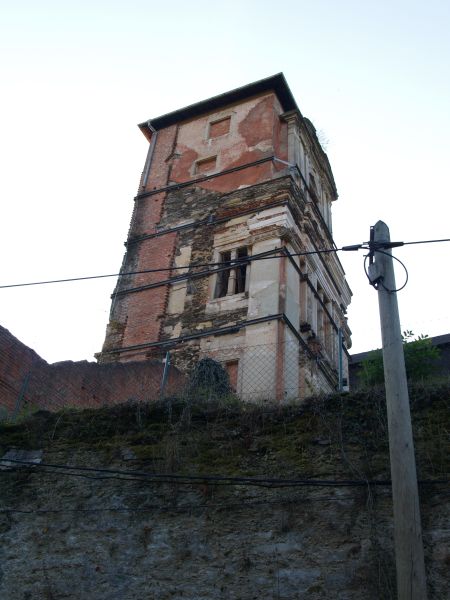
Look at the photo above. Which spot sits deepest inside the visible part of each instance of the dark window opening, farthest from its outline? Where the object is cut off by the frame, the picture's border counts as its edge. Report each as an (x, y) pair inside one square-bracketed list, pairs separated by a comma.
[(233, 280), (241, 271), (223, 277)]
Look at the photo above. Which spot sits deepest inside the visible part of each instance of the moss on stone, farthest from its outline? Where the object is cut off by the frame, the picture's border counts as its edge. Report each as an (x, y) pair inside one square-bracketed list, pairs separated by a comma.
[(336, 435)]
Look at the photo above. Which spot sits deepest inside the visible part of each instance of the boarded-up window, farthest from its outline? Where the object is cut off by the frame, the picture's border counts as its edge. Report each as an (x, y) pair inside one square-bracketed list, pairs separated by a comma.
[(218, 128), (206, 165), (232, 368)]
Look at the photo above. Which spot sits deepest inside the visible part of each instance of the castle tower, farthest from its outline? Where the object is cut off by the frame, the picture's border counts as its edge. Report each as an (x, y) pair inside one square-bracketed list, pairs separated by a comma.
[(235, 188)]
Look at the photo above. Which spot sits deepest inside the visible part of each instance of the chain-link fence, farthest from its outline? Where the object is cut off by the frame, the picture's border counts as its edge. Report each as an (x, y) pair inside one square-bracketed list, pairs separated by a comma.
[(277, 372), (85, 385)]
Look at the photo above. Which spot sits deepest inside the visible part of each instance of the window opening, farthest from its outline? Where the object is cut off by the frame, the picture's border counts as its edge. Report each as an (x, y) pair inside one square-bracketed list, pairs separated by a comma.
[(241, 271), (232, 368), (223, 276), (233, 280)]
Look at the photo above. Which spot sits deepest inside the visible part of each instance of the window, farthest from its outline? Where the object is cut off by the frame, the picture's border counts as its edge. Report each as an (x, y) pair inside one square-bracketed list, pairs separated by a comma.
[(328, 330), (220, 127), (233, 280), (206, 165), (320, 314), (232, 368), (223, 277), (305, 310)]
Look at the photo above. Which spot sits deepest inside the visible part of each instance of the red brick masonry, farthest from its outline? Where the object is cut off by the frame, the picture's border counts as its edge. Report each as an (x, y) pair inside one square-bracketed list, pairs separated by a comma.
[(27, 380)]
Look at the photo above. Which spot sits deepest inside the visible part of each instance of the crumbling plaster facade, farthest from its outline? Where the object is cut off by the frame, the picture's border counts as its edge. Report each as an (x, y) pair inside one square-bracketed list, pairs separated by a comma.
[(239, 177)]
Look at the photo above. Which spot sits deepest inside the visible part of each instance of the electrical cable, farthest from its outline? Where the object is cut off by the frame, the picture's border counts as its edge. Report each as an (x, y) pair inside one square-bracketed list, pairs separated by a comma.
[(189, 479), (375, 284), (426, 242), (234, 262), (231, 263), (243, 505)]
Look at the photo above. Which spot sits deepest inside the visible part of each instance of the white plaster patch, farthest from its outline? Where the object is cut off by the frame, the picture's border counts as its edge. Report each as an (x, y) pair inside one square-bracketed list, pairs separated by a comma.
[(177, 294), (227, 303), (264, 146), (177, 298)]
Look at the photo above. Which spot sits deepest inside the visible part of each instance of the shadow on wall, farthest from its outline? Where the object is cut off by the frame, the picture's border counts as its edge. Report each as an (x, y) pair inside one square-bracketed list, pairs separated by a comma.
[(27, 381)]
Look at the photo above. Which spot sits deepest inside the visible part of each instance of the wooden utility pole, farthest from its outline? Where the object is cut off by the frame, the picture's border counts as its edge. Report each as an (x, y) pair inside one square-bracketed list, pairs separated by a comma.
[(411, 581)]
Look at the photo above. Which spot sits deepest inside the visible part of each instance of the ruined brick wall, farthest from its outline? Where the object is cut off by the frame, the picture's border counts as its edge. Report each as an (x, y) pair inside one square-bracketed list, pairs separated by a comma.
[(147, 315), (226, 178), (28, 382), (255, 134), (17, 361)]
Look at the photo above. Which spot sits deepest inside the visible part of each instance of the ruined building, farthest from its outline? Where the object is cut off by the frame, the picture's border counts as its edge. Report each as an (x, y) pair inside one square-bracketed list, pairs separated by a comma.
[(238, 190)]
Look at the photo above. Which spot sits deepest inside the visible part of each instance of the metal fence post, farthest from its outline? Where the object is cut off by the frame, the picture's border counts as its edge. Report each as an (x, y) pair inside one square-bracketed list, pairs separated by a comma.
[(21, 395), (165, 374)]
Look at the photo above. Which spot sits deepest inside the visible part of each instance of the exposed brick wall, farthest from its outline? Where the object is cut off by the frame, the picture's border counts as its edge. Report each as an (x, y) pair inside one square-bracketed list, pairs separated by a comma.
[(147, 214), (210, 166), (26, 380), (160, 166), (251, 129), (137, 316), (16, 361)]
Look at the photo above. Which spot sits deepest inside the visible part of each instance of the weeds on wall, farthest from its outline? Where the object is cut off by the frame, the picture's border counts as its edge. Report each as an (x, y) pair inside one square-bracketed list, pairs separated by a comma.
[(329, 437)]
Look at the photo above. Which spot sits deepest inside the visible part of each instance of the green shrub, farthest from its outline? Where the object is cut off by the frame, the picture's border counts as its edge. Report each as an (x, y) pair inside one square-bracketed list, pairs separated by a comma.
[(209, 378), (420, 360)]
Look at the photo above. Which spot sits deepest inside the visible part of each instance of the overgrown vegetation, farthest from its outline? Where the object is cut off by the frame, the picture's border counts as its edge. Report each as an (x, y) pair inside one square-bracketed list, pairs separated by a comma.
[(209, 380), (337, 436), (420, 360), (342, 436)]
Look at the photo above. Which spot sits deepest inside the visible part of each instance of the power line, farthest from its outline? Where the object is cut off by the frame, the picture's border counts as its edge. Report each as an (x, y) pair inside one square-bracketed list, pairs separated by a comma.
[(379, 281), (189, 479), (426, 242), (231, 263), (242, 505)]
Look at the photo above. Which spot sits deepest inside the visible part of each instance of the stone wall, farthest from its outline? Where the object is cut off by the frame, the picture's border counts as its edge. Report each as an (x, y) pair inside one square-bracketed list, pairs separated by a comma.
[(87, 535)]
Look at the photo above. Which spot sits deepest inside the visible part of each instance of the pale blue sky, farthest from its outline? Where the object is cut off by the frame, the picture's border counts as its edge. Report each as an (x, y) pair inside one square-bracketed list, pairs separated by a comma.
[(77, 77)]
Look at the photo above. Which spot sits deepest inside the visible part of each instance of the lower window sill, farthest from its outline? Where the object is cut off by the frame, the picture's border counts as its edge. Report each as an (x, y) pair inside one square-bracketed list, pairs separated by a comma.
[(226, 303)]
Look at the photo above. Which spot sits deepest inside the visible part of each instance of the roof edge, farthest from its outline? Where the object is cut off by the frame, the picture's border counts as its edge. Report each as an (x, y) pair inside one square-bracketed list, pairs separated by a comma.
[(276, 83)]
